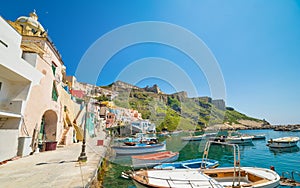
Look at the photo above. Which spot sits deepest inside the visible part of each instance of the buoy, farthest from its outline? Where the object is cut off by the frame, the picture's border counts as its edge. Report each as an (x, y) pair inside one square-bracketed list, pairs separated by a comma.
[(272, 168)]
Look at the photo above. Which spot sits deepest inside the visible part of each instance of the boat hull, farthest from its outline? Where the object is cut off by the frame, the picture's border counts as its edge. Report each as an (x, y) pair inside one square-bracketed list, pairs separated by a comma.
[(284, 142), (188, 164), (221, 178), (259, 137), (192, 138), (153, 159), (239, 140), (282, 145), (138, 149)]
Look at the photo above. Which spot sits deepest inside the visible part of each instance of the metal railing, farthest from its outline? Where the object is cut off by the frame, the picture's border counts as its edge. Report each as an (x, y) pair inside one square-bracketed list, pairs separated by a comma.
[(236, 159)]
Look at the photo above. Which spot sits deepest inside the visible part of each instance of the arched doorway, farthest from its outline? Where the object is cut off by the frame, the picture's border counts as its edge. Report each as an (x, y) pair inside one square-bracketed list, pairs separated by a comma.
[(48, 126)]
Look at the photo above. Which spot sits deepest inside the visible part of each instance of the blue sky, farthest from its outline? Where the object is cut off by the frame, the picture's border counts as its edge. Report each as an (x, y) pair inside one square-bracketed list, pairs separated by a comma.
[(256, 44)]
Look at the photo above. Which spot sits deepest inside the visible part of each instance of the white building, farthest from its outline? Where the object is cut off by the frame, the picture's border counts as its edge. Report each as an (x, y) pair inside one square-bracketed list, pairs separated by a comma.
[(143, 126), (17, 78)]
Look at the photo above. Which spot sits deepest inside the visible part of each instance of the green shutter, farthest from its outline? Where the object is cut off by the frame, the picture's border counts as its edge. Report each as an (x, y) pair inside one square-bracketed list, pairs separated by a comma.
[(53, 69), (54, 93)]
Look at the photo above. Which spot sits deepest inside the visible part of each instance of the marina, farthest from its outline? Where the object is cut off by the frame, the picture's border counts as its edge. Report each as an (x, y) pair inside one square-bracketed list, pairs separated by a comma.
[(258, 155), (160, 94)]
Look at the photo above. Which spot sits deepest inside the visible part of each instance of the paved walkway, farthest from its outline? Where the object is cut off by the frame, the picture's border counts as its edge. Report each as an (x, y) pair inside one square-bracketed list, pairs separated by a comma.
[(57, 168)]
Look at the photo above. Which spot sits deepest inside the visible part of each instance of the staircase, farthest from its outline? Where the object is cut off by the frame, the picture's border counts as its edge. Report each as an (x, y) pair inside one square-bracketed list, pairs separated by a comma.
[(67, 126), (63, 137)]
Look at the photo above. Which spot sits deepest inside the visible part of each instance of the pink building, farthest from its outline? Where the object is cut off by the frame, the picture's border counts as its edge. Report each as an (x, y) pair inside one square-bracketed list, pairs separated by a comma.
[(50, 111)]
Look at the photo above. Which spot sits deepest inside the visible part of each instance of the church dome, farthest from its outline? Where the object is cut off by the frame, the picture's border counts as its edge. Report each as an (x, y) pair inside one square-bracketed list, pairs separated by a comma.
[(31, 21)]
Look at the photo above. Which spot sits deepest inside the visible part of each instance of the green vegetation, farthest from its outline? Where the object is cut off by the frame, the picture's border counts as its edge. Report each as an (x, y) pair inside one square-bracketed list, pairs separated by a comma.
[(102, 98), (174, 112), (232, 116)]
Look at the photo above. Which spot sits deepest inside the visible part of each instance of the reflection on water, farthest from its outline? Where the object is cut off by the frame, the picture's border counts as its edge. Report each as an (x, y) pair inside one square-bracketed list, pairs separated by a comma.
[(257, 154), (285, 150)]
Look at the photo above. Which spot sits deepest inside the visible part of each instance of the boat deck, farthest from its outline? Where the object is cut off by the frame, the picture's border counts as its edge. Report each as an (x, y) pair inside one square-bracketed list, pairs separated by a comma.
[(178, 179)]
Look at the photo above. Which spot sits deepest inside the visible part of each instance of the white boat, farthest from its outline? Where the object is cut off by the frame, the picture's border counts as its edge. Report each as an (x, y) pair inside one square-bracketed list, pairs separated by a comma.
[(192, 138), (220, 178), (236, 176), (209, 135), (238, 138), (139, 148), (258, 137), (150, 160), (283, 142)]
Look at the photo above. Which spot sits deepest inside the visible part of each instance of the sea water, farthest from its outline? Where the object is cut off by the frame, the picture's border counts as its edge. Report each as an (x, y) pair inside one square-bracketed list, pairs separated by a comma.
[(252, 155)]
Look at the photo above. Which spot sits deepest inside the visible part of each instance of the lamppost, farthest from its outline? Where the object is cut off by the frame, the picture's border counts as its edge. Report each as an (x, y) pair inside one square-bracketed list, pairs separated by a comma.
[(82, 157)]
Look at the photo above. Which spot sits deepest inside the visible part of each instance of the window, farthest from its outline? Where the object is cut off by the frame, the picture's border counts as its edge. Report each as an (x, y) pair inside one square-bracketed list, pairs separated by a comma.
[(54, 67), (54, 93)]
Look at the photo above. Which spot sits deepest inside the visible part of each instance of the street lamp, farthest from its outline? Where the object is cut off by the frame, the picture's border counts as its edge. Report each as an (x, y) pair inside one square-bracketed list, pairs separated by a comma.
[(83, 157)]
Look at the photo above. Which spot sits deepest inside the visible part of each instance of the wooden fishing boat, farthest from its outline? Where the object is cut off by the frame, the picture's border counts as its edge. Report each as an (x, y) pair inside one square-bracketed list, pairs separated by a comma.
[(150, 160), (139, 148), (193, 163), (283, 142), (236, 176)]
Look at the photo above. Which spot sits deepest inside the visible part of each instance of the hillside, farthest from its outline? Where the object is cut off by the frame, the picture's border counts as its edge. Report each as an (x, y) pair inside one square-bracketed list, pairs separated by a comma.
[(176, 111)]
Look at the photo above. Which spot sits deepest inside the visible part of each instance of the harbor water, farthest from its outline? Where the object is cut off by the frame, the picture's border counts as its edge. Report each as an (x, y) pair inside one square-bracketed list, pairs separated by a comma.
[(253, 155)]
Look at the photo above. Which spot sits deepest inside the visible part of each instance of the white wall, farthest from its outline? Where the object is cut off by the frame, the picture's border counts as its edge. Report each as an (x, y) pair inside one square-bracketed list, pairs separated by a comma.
[(9, 36), (10, 55), (8, 143), (17, 77)]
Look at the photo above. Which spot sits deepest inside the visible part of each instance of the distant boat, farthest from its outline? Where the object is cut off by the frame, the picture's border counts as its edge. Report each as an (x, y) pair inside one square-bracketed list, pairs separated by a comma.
[(283, 142), (150, 160), (139, 148), (258, 137), (193, 163), (192, 138), (238, 138), (140, 139), (218, 139), (209, 135), (175, 132), (296, 130)]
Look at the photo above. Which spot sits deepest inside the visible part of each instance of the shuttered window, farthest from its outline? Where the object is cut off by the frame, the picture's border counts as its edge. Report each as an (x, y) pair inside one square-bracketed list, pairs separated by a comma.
[(54, 93)]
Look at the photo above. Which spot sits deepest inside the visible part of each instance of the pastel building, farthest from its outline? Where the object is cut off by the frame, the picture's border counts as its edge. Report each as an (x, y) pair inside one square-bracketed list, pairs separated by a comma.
[(143, 126), (50, 116), (17, 79)]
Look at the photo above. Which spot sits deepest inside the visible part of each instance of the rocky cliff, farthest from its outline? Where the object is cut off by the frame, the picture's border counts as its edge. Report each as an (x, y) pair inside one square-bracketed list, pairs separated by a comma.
[(177, 111)]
